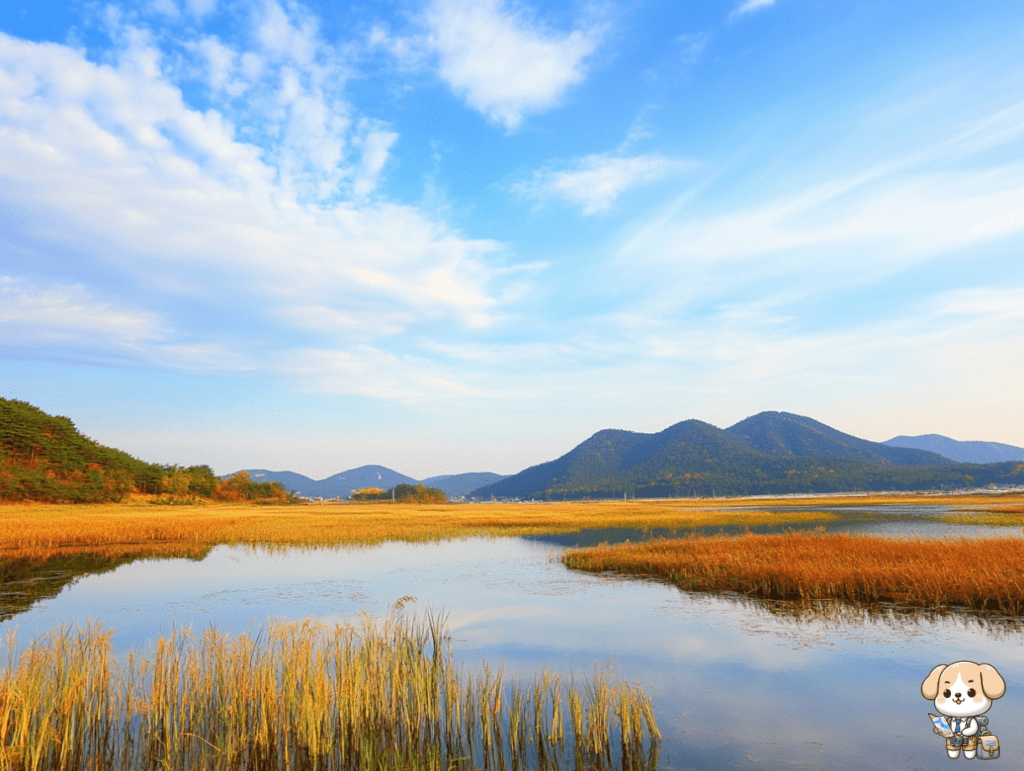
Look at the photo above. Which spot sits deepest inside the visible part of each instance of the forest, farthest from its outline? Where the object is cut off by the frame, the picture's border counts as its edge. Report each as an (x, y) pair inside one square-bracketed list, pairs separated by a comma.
[(45, 458)]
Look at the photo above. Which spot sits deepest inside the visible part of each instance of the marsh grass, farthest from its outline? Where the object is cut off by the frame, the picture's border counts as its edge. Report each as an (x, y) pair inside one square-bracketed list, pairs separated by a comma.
[(1009, 517), (381, 694), (44, 530), (816, 565)]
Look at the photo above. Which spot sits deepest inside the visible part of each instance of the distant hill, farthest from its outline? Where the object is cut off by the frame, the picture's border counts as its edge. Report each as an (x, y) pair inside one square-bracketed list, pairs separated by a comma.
[(961, 452), (340, 485), (455, 486), (772, 452)]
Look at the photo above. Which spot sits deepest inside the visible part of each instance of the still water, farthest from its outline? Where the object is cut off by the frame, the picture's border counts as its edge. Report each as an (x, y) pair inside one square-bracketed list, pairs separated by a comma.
[(735, 683)]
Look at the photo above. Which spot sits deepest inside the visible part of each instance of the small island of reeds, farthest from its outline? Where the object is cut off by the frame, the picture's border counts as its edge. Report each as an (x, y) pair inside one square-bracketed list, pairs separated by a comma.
[(975, 574)]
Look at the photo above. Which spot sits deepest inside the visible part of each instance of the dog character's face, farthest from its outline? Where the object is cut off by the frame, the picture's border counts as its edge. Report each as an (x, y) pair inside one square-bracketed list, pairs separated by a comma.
[(963, 689)]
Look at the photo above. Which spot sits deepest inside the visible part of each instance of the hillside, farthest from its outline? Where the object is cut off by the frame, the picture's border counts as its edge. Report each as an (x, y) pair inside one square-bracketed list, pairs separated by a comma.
[(45, 458), (961, 452), (456, 486), (783, 434), (769, 453)]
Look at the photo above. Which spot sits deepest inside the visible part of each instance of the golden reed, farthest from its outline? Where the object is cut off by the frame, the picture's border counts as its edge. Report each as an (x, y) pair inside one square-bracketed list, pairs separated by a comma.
[(381, 694), (984, 574)]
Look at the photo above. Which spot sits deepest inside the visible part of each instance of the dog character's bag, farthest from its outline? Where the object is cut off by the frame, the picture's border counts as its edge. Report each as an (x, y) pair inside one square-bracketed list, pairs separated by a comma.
[(988, 746)]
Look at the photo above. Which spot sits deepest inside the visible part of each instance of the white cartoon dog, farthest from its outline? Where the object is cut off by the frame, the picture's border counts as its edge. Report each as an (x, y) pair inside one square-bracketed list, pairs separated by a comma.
[(962, 691)]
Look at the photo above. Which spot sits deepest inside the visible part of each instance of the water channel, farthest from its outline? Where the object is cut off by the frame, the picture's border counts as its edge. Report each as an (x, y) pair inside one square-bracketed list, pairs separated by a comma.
[(735, 683)]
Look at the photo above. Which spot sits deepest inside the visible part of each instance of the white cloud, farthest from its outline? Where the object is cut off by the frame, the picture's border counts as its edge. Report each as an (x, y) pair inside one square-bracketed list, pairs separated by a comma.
[(595, 182), (114, 175), (749, 6), (375, 145), (500, 62), (45, 313), (367, 370), (221, 61)]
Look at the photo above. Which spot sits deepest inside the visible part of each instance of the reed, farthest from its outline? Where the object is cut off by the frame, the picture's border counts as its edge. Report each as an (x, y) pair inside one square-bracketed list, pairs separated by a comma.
[(977, 574), (378, 694), (1007, 517), (43, 531)]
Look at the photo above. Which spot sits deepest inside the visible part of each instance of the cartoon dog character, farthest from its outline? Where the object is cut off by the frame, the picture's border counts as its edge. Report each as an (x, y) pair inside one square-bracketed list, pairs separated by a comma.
[(962, 691)]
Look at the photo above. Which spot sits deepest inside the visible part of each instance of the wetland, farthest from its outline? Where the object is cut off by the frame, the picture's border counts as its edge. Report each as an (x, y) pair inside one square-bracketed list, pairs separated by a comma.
[(732, 681)]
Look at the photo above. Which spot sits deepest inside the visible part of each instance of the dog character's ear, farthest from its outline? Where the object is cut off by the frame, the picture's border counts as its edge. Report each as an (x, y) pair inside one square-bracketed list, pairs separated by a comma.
[(991, 681), (930, 686)]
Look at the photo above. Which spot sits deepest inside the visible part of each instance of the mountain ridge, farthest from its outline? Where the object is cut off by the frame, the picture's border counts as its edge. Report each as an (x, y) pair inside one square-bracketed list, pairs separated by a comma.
[(961, 452), (342, 484), (771, 452)]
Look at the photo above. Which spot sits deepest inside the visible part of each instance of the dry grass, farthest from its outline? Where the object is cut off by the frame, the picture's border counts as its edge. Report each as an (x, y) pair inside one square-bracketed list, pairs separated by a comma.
[(987, 501), (379, 695), (1011, 518), (43, 530), (816, 565)]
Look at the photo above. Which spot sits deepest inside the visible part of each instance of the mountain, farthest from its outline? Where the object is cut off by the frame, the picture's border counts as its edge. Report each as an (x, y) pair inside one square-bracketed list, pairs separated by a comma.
[(784, 434), (455, 486), (772, 452), (340, 485), (961, 452)]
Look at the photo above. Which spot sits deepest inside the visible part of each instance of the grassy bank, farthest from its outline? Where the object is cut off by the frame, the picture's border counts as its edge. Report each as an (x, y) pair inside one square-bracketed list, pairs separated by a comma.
[(45, 530), (380, 695), (977, 574)]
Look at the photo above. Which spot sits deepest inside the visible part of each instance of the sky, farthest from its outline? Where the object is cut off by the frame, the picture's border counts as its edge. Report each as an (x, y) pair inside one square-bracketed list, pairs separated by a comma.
[(464, 235)]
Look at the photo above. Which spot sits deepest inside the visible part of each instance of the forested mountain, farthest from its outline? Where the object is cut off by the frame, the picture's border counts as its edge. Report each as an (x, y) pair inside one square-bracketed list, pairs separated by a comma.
[(784, 434), (45, 458), (773, 452), (961, 452)]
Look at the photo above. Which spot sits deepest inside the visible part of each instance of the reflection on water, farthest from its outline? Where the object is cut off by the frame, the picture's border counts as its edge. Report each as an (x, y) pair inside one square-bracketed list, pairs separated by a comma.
[(735, 682), (893, 521)]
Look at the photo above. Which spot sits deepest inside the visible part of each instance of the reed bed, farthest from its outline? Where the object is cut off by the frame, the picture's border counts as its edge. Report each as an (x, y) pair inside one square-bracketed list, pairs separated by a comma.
[(380, 694), (1008, 517), (976, 574), (45, 530)]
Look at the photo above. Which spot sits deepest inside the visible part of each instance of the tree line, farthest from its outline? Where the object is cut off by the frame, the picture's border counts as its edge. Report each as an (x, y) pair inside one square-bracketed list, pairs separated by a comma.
[(402, 493)]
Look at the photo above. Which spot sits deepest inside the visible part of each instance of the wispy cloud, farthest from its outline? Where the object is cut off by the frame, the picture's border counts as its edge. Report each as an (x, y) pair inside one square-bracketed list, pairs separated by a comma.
[(859, 229), (504, 64), (749, 6), (595, 182), (48, 313)]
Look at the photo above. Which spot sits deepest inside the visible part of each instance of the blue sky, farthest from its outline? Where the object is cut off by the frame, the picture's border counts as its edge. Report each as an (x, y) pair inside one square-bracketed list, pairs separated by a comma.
[(463, 235)]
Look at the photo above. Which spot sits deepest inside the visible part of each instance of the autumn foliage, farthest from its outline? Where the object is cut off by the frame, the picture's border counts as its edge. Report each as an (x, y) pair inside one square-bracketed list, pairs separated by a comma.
[(401, 494), (240, 487)]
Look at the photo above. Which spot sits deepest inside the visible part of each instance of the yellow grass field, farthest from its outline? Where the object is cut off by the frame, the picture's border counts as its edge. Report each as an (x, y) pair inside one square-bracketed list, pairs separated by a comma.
[(39, 531), (818, 565), (44, 530)]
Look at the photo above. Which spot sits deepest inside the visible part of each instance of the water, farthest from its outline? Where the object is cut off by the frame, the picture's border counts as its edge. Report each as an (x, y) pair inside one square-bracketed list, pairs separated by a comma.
[(734, 683)]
